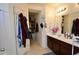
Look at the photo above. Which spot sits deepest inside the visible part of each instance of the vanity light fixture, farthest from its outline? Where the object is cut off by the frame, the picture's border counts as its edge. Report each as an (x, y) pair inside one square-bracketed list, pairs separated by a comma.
[(61, 10)]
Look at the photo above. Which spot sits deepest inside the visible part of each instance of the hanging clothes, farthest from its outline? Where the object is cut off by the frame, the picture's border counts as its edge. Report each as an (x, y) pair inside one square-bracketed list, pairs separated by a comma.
[(75, 27), (24, 29), (25, 22), (29, 34), (19, 31)]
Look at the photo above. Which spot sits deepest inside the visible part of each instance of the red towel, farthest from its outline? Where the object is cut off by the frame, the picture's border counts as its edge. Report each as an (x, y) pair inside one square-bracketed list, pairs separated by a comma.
[(24, 28)]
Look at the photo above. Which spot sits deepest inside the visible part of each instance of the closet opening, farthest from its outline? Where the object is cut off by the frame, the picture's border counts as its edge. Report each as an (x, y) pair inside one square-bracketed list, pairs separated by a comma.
[(33, 27)]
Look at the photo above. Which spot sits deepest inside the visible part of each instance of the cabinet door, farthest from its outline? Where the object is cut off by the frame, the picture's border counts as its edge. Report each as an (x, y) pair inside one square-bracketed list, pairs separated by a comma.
[(49, 42), (76, 50), (65, 48), (55, 46)]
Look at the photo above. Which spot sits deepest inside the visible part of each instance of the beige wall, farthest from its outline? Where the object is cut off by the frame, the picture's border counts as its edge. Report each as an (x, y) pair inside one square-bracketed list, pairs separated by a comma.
[(52, 19), (49, 17)]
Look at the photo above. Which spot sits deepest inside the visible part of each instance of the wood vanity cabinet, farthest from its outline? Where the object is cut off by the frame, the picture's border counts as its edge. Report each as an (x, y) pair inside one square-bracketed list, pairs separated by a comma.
[(59, 47), (65, 48), (55, 46)]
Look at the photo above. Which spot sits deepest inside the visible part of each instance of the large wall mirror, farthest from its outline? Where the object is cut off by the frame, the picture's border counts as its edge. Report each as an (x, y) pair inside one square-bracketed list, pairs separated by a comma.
[(70, 20), (70, 23)]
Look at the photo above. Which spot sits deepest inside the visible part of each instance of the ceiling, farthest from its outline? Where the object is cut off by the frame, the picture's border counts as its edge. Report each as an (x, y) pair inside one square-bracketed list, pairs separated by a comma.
[(52, 4), (71, 6), (57, 5)]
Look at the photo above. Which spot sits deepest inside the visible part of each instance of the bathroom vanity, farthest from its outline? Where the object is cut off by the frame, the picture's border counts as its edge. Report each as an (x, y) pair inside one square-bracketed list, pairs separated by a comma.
[(61, 45)]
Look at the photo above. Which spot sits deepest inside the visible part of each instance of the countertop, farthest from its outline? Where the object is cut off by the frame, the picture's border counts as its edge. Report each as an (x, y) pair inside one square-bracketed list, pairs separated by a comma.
[(62, 38)]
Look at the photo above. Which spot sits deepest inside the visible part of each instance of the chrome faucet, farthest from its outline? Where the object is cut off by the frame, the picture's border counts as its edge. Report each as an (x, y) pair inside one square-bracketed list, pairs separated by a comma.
[(68, 35)]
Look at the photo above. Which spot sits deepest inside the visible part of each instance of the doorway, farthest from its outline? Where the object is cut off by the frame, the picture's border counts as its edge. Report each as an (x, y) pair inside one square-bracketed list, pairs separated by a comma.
[(37, 37), (33, 27)]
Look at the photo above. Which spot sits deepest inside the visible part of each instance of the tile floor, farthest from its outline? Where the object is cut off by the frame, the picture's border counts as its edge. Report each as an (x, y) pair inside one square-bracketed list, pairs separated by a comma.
[(36, 49)]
